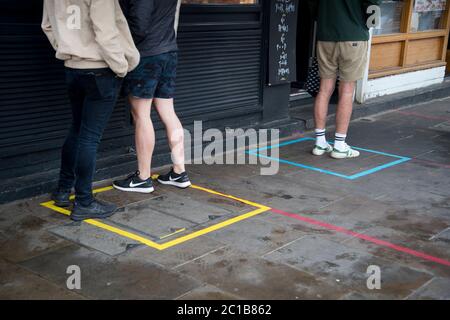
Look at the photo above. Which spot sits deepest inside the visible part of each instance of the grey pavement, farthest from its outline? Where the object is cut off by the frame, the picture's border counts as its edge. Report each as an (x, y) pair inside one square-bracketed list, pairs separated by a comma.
[(315, 240)]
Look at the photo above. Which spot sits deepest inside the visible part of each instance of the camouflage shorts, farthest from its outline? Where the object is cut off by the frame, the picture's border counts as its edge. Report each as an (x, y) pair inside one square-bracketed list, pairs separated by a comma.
[(154, 77)]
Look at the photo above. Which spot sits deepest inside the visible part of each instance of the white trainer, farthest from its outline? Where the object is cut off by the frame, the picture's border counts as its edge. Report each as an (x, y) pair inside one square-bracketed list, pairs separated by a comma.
[(320, 151), (347, 153)]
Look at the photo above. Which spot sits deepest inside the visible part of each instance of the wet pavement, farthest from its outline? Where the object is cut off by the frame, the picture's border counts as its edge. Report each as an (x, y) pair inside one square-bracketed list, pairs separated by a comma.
[(312, 231)]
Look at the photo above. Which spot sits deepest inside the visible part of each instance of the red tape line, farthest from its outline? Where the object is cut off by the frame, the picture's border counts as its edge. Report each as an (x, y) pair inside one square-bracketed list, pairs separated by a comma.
[(364, 237)]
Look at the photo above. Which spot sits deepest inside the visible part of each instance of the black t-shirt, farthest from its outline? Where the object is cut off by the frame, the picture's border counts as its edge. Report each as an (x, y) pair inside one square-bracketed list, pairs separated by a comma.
[(152, 25)]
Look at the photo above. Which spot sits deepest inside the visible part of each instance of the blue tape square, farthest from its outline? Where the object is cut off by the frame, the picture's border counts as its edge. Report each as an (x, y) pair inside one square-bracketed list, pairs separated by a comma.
[(399, 160)]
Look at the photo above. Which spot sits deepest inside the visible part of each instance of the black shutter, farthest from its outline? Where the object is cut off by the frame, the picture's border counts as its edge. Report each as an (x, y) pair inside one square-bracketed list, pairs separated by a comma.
[(219, 80), (219, 74), (34, 109), (218, 71)]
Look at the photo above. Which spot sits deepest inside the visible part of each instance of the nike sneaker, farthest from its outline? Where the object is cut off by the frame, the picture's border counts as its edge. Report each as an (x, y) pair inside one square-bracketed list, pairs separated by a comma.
[(346, 153), (174, 179), (134, 184)]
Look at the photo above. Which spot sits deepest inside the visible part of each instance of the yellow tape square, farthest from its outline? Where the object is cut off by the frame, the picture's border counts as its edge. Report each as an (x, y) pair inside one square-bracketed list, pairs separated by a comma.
[(124, 233)]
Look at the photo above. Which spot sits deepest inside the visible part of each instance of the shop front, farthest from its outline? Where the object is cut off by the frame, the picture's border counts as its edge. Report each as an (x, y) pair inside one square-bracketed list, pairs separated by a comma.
[(409, 49), (223, 81)]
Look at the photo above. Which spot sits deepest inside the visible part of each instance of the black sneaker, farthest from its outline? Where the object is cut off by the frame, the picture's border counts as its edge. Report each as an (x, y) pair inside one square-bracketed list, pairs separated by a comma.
[(175, 179), (96, 210), (134, 184), (61, 198)]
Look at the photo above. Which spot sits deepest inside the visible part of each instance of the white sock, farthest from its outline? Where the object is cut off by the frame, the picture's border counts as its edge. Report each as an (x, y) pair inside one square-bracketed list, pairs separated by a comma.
[(321, 139), (339, 142)]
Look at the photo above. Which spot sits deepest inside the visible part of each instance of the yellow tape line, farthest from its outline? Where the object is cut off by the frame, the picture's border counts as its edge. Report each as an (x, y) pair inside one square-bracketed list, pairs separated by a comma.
[(102, 225), (172, 234), (172, 243), (211, 229), (72, 197)]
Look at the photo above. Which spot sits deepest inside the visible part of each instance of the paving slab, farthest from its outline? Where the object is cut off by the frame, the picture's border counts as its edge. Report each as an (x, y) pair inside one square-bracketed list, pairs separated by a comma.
[(178, 255), (256, 278), (398, 183), (349, 212), (256, 236), (196, 209), (436, 289), (217, 171), (406, 136), (436, 207), (414, 223), (287, 192), (94, 237), (208, 292), (16, 283), (348, 267), (304, 228), (104, 277), (123, 199), (407, 240), (26, 235)]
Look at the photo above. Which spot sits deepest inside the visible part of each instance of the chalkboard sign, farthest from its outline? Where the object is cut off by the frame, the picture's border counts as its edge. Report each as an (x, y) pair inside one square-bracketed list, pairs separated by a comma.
[(282, 44)]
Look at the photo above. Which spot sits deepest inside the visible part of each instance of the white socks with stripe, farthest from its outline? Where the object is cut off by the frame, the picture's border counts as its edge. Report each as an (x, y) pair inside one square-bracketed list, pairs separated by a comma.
[(339, 142), (321, 139)]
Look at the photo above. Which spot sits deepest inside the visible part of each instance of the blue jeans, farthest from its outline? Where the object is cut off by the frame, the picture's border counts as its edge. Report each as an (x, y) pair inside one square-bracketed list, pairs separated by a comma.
[(93, 95)]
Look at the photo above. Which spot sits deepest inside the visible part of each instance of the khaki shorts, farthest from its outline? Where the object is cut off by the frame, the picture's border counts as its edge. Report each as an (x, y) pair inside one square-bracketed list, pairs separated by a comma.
[(347, 59)]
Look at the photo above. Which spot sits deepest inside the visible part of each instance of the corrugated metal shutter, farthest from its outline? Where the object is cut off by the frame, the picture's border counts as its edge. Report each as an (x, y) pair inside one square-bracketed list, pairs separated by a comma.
[(34, 110), (218, 72), (219, 77)]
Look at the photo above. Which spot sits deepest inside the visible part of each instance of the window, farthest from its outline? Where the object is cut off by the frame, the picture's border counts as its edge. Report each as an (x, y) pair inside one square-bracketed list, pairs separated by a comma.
[(428, 15), (391, 17), (412, 36), (225, 2)]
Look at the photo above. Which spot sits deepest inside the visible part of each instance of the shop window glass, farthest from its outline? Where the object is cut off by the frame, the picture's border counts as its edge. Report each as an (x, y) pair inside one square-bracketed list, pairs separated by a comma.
[(428, 15), (391, 17), (220, 1)]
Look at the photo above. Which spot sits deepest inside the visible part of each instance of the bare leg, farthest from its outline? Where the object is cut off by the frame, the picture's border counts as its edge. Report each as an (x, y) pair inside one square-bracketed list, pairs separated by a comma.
[(175, 133), (322, 101), (145, 134), (345, 106)]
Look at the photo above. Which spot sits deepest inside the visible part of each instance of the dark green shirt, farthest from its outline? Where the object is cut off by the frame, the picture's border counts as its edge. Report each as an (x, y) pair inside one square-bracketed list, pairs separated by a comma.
[(342, 20)]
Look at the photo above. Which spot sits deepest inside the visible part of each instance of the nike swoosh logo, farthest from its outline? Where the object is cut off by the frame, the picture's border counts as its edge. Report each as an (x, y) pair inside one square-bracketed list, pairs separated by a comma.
[(173, 180), (133, 185)]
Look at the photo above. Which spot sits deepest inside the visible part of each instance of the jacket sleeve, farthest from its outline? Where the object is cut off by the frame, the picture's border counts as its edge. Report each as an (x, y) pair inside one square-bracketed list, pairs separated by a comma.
[(137, 13), (47, 28), (177, 16), (103, 16)]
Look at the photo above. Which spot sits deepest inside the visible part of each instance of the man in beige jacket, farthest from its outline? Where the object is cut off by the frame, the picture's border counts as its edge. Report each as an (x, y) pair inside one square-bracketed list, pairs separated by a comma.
[(93, 39)]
